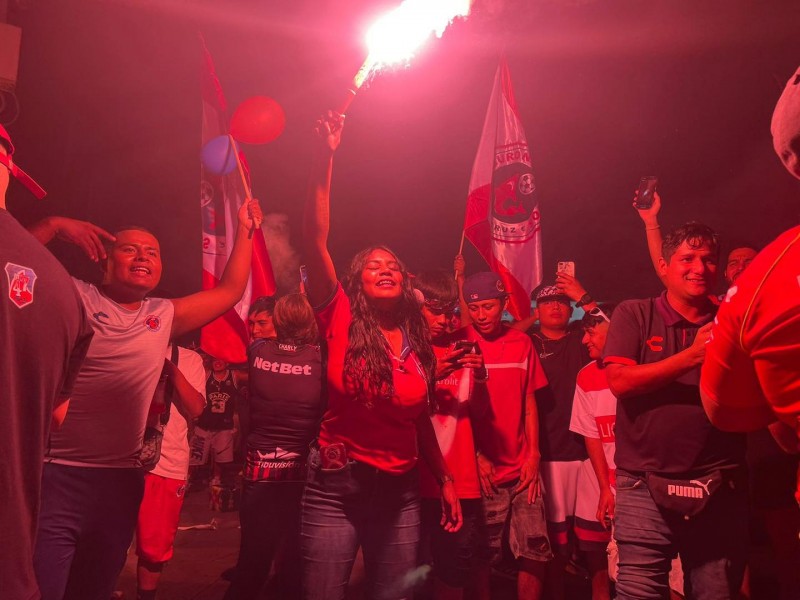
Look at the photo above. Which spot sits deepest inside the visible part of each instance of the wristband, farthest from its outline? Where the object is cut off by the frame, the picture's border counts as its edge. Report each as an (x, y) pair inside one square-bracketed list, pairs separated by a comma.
[(585, 299)]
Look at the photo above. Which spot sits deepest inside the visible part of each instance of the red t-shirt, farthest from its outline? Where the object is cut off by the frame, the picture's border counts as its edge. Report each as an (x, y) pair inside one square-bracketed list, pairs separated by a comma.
[(383, 435), (451, 421), (514, 372), (751, 371)]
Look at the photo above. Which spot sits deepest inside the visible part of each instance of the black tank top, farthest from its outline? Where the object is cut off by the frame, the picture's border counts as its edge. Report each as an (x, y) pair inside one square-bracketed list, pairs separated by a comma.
[(220, 395)]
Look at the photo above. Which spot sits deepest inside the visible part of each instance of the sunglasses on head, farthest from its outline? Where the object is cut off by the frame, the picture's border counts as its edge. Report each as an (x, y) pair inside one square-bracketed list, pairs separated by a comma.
[(595, 317), (437, 307)]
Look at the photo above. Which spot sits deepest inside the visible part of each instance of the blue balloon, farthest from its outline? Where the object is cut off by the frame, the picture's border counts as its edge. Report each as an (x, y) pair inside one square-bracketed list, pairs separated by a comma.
[(218, 155)]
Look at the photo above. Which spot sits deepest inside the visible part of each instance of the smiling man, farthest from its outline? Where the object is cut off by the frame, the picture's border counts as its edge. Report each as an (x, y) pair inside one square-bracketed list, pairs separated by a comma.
[(92, 482), (681, 485)]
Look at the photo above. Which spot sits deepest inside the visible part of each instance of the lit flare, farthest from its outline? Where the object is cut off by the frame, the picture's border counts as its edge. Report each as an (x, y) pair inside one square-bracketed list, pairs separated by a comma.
[(396, 36)]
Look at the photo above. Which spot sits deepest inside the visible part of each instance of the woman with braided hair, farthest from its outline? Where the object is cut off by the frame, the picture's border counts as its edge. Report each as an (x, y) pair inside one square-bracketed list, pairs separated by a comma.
[(363, 487)]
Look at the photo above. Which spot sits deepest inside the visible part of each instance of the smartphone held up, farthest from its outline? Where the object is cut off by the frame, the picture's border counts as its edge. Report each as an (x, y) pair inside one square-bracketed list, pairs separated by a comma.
[(645, 195), (566, 266)]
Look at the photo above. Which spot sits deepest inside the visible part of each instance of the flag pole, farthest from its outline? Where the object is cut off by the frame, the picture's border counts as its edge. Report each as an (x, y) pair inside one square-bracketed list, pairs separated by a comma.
[(460, 250), (247, 192)]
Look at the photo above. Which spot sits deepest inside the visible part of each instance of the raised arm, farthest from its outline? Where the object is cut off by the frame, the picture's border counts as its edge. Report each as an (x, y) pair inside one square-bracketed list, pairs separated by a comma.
[(316, 217), (527, 322), (652, 230), (460, 267), (574, 290), (196, 310), (87, 236)]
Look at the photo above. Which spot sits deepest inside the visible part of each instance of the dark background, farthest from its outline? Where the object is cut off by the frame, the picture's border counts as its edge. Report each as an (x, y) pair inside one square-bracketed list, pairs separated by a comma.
[(109, 121)]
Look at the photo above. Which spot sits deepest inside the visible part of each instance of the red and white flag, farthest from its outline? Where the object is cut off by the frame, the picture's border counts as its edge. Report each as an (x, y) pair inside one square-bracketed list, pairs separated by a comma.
[(220, 198), (502, 219)]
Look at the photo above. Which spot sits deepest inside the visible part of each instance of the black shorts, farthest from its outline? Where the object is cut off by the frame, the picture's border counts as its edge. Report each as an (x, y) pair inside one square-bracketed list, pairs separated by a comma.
[(453, 554)]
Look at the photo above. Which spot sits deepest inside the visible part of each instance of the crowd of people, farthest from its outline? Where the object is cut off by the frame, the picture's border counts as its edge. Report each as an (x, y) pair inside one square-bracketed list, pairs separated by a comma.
[(612, 442)]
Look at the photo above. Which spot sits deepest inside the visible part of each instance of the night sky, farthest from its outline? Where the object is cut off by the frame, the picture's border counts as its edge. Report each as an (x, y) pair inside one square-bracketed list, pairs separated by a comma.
[(109, 121)]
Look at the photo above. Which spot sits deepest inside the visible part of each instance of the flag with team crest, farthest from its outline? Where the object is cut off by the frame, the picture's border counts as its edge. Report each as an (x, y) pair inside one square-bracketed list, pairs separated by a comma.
[(502, 219), (220, 198)]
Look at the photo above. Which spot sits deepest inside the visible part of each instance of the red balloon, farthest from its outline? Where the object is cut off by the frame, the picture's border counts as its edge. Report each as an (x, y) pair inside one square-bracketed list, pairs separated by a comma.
[(258, 120)]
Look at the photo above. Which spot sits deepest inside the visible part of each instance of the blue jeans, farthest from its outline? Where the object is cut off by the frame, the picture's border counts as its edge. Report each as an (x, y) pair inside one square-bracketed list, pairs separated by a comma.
[(712, 545), (354, 506), (86, 524)]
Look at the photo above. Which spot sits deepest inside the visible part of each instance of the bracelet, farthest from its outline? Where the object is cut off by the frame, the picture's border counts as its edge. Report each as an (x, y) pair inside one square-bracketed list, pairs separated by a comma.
[(445, 479), (652, 228), (483, 377)]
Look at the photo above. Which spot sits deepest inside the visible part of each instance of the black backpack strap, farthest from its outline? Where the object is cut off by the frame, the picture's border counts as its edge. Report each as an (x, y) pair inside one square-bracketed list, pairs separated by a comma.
[(170, 388)]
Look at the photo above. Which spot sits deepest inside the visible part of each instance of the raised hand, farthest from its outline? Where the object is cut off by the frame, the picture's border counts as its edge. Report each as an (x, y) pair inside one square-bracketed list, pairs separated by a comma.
[(328, 130), (648, 215), (86, 236), (250, 211), (569, 285)]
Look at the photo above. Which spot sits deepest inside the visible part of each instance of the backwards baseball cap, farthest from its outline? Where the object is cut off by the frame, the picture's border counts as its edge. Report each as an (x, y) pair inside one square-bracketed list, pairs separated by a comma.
[(551, 292), (785, 125), (19, 174), (483, 286)]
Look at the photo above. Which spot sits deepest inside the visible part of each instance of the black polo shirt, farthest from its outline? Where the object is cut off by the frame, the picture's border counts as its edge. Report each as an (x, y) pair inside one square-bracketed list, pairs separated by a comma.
[(664, 431)]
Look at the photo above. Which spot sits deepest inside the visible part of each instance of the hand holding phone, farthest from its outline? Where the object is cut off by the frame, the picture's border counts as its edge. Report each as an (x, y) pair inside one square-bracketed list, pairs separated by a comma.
[(467, 346), (646, 192), (566, 266)]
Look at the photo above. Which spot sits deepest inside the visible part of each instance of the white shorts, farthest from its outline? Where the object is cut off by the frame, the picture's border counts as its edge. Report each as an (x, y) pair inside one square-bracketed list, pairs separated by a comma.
[(591, 534), (221, 442), (559, 482)]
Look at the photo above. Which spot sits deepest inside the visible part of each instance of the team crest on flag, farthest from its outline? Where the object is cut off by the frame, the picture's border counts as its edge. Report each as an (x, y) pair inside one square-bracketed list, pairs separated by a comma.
[(20, 284), (515, 217), (502, 220)]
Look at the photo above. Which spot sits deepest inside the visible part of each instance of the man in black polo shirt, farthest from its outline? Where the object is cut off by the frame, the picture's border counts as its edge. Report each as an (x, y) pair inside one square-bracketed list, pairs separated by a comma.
[(679, 479)]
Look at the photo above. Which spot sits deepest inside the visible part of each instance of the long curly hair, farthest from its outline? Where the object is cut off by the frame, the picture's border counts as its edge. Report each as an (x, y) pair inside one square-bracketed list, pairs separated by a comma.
[(367, 365)]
